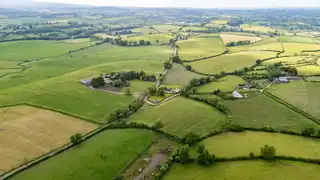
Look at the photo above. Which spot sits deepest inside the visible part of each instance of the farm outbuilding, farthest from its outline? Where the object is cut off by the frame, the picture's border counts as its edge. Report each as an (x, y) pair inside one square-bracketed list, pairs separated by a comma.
[(236, 94), (283, 80)]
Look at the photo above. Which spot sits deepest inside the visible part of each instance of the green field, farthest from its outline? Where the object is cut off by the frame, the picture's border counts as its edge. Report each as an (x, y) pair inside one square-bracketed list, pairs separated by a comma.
[(265, 44), (298, 39), (164, 28), (8, 65), (286, 60), (296, 48), (196, 48), (228, 83), (261, 111), (221, 22), (241, 144), (162, 38), (144, 30), (180, 116), (93, 159), (229, 62), (249, 27), (303, 95), (102, 54), (246, 170), (138, 86), (29, 50), (194, 28), (309, 70), (179, 75)]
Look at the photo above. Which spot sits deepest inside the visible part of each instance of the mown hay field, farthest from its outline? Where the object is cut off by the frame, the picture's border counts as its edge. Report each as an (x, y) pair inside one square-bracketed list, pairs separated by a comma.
[(303, 95), (179, 75), (8, 71), (29, 50), (228, 83), (196, 48), (94, 158), (244, 170), (261, 111), (221, 22), (180, 116), (226, 38), (229, 62), (241, 144), (28, 132)]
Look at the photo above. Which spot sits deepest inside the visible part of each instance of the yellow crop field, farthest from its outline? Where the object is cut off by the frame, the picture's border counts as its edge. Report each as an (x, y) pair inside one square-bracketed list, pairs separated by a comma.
[(28, 132), (226, 38)]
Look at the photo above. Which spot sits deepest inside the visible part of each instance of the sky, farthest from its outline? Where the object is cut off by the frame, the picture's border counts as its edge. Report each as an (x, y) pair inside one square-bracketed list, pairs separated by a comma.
[(196, 3)]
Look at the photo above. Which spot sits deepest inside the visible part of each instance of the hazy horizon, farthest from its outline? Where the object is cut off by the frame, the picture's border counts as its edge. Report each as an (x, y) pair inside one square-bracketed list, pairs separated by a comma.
[(195, 4)]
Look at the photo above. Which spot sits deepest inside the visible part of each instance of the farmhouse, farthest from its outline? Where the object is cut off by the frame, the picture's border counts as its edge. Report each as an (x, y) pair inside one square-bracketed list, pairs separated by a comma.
[(172, 90), (237, 95), (282, 80), (86, 82)]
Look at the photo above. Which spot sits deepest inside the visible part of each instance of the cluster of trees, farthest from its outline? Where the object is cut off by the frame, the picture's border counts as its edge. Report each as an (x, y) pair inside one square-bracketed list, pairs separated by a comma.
[(97, 82), (125, 112), (205, 158), (268, 152), (157, 92), (181, 155), (223, 95), (76, 138), (290, 70), (132, 75), (120, 42), (177, 59), (238, 43), (235, 22), (167, 65), (198, 82)]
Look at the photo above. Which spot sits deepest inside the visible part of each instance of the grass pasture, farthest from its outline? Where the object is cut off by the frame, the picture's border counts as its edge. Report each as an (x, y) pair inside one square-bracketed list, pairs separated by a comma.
[(286, 60), (144, 30), (65, 93), (179, 75), (194, 28), (245, 170), (94, 56), (232, 144), (29, 50), (265, 44), (261, 111), (28, 132), (196, 48), (299, 39), (4, 72), (227, 83), (229, 62), (309, 70), (220, 22), (180, 116), (226, 38), (138, 86), (303, 95), (263, 29), (165, 28), (94, 158), (8, 65), (162, 38), (297, 48)]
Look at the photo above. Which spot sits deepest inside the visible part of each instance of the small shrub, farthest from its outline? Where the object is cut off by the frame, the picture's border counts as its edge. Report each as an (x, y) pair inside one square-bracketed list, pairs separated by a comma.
[(268, 152), (191, 138), (158, 125), (308, 132), (251, 155), (200, 149), (76, 138)]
